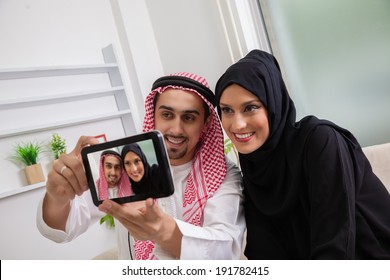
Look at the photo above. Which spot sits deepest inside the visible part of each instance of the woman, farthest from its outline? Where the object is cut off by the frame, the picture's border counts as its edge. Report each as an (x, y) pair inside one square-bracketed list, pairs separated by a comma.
[(310, 191), (143, 177)]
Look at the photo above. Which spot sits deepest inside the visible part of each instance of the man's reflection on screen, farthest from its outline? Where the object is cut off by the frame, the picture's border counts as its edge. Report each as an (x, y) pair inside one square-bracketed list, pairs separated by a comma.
[(144, 177), (113, 181)]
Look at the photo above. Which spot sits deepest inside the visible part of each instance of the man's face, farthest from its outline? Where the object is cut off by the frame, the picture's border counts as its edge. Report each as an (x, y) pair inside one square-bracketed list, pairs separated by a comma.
[(112, 170), (179, 115)]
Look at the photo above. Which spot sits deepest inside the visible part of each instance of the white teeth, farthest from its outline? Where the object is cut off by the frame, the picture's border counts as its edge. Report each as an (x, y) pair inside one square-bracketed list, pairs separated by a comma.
[(242, 136), (175, 140)]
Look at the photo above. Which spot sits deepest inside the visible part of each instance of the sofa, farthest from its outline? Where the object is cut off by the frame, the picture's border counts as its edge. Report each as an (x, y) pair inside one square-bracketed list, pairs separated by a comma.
[(378, 155)]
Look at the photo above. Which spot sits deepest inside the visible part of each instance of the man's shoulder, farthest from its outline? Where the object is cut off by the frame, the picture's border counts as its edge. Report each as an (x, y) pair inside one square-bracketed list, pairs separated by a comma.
[(230, 164), (232, 170)]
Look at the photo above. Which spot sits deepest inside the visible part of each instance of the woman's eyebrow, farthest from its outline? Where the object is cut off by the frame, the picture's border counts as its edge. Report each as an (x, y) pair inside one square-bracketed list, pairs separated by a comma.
[(244, 103)]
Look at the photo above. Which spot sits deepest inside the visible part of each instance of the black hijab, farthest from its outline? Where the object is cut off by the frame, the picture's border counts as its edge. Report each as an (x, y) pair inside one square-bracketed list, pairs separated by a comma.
[(145, 184), (273, 173)]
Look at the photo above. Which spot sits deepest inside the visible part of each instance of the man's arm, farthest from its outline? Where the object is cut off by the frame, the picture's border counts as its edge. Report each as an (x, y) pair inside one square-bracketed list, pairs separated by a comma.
[(146, 221), (220, 236), (65, 180), (54, 214), (222, 231)]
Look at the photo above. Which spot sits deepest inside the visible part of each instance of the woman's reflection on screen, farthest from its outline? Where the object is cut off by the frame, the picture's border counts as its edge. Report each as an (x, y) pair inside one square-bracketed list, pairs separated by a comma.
[(143, 176)]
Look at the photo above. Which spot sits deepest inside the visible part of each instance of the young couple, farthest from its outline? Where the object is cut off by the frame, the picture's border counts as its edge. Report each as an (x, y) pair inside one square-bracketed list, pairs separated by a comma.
[(125, 174), (309, 190)]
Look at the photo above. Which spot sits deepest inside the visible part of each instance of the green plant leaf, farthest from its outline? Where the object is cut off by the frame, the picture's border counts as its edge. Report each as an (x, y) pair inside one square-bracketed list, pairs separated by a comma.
[(228, 145), (57, 145), (27, 153), (109, 220)]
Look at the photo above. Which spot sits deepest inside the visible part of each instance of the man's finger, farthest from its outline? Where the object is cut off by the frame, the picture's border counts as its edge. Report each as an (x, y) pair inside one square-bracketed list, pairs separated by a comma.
[(83, 142), (118, 211), (106, 206)]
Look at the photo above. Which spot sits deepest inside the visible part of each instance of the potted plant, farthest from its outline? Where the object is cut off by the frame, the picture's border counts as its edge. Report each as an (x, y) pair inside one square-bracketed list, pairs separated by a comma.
[(27, 154), (57, 145)]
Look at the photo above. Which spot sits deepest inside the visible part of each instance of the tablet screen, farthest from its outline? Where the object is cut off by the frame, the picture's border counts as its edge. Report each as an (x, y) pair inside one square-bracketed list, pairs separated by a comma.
[(128, 169)]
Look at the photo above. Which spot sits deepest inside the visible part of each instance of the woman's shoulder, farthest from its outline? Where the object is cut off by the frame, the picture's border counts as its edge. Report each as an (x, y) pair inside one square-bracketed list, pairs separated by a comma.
[(319, 133), (326, 141), (322, 133), (154, 170)]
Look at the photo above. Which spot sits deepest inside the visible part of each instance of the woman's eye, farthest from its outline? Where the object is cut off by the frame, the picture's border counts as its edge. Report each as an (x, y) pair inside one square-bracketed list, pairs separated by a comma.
[(226, 110), (251, 108)]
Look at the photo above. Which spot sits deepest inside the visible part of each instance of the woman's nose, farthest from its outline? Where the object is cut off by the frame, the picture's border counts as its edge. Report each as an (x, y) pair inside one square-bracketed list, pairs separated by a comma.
[(133, 167), (239, 122)]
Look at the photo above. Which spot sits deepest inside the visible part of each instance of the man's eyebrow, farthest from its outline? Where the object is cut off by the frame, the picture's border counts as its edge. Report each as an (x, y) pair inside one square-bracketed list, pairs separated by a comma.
[(164, 107)]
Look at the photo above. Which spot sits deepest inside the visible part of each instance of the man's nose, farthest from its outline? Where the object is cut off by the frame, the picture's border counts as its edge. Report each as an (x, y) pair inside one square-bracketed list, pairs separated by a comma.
[(176, 127)]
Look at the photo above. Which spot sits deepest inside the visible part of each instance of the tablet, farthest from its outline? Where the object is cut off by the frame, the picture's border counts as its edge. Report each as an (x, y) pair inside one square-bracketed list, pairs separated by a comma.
[(128, 169)]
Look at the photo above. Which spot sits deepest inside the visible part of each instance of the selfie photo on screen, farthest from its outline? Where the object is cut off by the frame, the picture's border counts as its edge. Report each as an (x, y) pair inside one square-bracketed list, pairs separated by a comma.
[(128, 169)]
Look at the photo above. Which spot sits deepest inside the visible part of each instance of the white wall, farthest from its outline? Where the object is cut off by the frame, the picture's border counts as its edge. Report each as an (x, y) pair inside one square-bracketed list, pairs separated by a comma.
[(337, 61), (45, 33), (190, 37), (187, 36), (20, 239)]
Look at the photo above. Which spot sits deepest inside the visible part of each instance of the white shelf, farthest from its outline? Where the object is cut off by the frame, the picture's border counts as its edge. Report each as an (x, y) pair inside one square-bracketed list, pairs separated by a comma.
[(113, 86), (16, 191), (37, 72), (71, 96), (67, 123)]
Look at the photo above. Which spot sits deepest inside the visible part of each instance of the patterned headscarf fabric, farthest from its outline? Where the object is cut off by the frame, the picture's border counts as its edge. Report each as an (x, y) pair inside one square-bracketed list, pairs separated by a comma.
[(208, 168), (124, 186)]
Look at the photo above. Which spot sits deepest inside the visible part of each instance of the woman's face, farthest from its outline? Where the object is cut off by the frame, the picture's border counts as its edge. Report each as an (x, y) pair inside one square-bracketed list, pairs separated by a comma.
[(244, 118), (134, 166)]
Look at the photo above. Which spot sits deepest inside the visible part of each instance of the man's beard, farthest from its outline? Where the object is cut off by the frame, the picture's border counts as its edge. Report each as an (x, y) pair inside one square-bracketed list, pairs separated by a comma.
[(113, 182), (176, 154)]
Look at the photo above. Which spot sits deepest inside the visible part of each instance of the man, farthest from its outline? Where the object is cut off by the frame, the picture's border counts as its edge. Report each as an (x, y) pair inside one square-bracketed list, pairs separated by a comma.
[(203, 219), (113, 181)]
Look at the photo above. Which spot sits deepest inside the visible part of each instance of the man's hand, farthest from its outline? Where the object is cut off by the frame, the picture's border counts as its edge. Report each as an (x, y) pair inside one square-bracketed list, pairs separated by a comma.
[(146, 221), (65, 180), (67, 177)]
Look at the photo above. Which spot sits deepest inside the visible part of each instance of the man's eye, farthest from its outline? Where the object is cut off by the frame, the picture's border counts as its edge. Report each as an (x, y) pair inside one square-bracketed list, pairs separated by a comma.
[(189, 118), (166, 115)]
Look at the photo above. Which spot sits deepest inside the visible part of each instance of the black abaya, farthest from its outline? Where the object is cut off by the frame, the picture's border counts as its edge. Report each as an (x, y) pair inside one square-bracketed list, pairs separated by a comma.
[(310, 191)]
